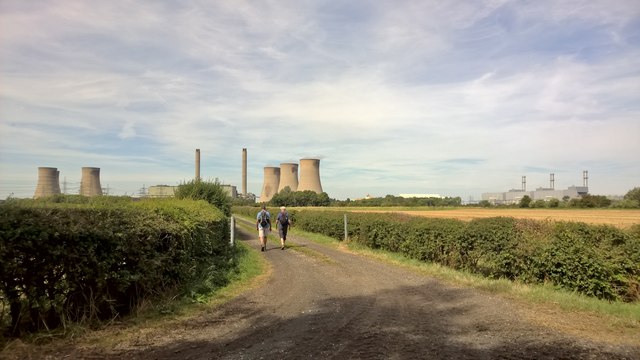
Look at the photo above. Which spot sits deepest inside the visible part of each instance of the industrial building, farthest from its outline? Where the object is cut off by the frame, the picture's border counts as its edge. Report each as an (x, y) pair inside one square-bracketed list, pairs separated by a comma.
[(90, 183), (277, 178), (310, 175), (420, 196), (49, 182), (514, 196), (288, 177), (161, 191), (164, 191)]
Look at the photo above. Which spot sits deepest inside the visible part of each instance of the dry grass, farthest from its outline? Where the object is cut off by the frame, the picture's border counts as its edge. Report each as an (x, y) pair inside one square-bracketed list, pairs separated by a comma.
[(617, 218)]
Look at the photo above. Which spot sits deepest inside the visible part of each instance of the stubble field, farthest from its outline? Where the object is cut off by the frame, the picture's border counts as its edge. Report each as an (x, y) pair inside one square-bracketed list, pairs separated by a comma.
[(618, 218)]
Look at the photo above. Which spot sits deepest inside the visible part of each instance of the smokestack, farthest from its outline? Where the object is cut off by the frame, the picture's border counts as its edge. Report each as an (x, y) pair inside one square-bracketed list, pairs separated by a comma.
[(524, 183), (271, 181), (585, 178), (90, 183), (244, 171), (310, 175), (552, 181), (48, 182), (288, 176), (197, 178)]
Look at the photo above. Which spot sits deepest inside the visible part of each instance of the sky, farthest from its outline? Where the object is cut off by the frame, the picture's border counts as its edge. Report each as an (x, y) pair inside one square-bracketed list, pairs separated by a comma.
[(448, 97)]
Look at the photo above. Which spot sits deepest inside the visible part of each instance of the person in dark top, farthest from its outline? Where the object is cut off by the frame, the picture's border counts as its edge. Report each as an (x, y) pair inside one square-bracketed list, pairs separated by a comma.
[(283, 222)]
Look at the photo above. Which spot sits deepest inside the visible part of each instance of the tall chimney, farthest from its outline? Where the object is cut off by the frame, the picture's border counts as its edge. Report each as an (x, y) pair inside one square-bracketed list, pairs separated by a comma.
[(585, 178), (197, 178), (552, 181), (244, 171), (524, 183), (90, 182), (271, 182), (310, 175), (48, 182)]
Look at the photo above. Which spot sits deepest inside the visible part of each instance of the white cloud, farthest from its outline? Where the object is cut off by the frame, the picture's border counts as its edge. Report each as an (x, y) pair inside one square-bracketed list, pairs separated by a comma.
[(385, 92)]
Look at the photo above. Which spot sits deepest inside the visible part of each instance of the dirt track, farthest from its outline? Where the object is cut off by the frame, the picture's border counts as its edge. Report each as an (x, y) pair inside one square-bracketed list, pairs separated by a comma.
[(322, 303)]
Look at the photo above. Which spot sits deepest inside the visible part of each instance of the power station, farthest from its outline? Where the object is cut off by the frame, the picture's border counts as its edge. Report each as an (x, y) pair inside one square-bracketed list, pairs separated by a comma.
[(197, 176), (310, 175), (48, 182), (288, 176), (90, 183), (514, 196), (277, 178), (271, 182), (244, 172)]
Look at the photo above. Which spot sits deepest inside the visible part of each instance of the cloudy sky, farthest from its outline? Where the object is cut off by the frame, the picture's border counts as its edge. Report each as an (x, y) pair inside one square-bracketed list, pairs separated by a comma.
[(448, 97)]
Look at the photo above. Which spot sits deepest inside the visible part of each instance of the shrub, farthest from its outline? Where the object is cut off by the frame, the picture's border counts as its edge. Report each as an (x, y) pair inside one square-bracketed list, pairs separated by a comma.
[(525, 201), (538, 204), (211, 192), (599, 261), (82, 262)]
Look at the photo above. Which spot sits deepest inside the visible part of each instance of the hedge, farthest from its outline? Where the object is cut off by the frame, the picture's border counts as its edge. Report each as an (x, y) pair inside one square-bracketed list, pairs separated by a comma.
[(595, 260), (86, 261)]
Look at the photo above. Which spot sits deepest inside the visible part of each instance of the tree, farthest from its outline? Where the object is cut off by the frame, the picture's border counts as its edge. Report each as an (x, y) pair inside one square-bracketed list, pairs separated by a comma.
[(538, 204), (594, 201), (633, 194), (286, 197), (554, 203), (525, 201), (484, 203), (211, 192)]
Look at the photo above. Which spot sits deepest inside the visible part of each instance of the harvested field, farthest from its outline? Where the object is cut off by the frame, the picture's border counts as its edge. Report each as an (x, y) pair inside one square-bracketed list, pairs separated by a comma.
[(618, 218)]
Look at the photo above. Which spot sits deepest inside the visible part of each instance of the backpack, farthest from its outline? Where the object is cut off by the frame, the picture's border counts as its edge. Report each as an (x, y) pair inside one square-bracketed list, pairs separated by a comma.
[(284, 219), (263, 219)]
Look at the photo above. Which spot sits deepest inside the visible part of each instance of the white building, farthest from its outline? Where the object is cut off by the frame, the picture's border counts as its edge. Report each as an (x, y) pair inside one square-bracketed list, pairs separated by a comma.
[(421, 196)]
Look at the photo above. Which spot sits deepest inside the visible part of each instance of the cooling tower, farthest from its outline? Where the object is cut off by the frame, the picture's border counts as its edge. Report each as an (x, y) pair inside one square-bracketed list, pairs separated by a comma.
[(288, 176), (57, 185), (48, 182), (244, 171), (271, 181), (197, 178), (90, 183), (310, 175)]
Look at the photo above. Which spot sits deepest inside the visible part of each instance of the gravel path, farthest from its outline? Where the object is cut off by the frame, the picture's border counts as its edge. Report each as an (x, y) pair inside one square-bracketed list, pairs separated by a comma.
[(324, 303)]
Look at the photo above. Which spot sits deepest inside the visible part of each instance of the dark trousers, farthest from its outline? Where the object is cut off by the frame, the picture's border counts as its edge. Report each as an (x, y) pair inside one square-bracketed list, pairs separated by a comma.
[(283, 232)]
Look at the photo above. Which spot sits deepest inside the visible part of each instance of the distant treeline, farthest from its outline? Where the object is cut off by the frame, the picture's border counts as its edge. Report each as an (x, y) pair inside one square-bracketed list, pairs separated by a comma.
[(391, 200), (287, 197)]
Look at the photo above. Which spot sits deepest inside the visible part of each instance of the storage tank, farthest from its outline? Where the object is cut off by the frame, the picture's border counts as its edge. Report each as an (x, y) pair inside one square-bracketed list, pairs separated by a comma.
[(288, 176), (90, 183), (310, 175), (271, 181), (48, 182)]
